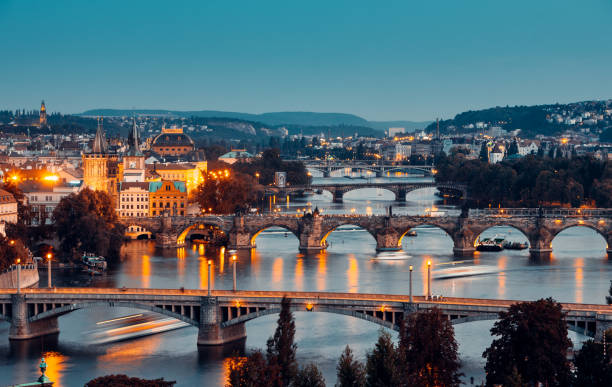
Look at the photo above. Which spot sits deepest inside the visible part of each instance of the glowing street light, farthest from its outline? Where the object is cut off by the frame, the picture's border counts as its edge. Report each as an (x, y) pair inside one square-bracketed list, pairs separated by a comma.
[(429, 280), (234, 261), (209, 276), (410, 288), (49, 256)]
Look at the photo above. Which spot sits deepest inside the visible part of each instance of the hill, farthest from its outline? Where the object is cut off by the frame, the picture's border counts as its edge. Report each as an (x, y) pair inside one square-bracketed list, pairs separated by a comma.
[(310, 119)]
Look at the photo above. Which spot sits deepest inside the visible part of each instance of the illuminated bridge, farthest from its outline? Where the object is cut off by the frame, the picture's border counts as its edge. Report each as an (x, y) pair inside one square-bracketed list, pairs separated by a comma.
[(539, 226), (376, 168), (221, 317)]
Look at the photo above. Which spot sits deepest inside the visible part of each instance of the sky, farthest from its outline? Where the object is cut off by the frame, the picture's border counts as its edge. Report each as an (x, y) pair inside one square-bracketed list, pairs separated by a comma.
[(382, 60)]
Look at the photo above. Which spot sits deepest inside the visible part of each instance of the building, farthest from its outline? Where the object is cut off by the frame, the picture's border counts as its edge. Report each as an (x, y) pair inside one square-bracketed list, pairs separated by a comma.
[(236, 155), (8, 209), (42, 119), (392, 132), (43, 198), (100, 167), (133, 160), (133, 200), (190, 173), (172, 142), (170, 196)]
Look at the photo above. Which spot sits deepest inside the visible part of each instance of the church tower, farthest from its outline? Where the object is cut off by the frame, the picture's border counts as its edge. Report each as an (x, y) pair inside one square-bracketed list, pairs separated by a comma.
[(133, 160), (42, 121), (95, 163)]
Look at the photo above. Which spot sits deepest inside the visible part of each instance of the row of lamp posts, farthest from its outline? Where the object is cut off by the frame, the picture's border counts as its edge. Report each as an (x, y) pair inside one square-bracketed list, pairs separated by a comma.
[(18, 263), (428, 292)]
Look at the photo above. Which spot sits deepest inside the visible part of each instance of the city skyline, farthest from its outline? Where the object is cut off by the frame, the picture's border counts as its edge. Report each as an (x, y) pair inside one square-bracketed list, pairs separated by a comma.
[(400, 62)]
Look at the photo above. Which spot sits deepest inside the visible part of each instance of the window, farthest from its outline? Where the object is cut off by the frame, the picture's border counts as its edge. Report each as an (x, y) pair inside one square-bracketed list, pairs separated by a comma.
[(182, 212), (153, 204)]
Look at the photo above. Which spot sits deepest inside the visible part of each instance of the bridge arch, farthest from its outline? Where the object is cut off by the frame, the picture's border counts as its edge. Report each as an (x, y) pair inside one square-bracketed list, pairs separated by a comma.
[(405, 232), (395, 192), (137, 231), (599, 229), (328, 230), (478, 233), (65, 309), (201, 227), (253, 236)]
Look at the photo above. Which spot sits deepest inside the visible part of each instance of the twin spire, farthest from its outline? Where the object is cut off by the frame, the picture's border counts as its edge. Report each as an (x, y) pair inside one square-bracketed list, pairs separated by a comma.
[(100, 144), (133, 141)]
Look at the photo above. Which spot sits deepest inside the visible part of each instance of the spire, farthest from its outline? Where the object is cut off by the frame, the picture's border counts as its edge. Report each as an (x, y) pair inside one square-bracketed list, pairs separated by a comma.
[(100, 145), (133, 141)]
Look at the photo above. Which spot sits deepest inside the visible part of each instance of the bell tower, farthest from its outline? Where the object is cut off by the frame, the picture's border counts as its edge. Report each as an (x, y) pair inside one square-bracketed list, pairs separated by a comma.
[(42, 121), (95, 163), (133, 160)]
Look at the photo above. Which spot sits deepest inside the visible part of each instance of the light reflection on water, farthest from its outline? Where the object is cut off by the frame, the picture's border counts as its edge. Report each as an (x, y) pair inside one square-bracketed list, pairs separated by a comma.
[(578, 272)]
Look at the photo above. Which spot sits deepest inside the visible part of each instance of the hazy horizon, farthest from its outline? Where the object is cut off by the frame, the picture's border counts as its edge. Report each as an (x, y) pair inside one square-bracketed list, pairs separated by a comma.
[(383, 62)]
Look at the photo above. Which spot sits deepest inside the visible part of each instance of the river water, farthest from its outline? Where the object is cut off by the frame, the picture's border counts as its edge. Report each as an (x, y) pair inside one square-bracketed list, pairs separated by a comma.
[(578, 272)]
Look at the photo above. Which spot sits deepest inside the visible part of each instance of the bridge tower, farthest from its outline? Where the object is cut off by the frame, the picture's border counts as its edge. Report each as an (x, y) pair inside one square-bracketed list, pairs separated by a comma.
[(211, 332), (21, 328)]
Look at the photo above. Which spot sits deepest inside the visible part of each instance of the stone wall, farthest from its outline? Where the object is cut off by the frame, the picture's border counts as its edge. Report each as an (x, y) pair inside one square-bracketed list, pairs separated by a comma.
[(29, 277)]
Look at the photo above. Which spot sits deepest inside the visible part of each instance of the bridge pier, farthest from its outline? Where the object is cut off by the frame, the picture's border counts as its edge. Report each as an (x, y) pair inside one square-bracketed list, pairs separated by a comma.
[(211, 332), (167, 240), (337, 196), (239, 236), (538, 254), (310, 236), (388, 240), (400, 195), (21, 328), (380, 173)]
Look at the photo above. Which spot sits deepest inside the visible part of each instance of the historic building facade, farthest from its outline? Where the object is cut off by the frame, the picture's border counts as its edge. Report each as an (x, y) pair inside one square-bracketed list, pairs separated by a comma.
[(167, 196)]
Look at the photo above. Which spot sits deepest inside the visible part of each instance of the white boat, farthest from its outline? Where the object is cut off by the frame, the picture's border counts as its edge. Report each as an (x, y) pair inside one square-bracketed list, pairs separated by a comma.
[(93, 264), (464, 271)]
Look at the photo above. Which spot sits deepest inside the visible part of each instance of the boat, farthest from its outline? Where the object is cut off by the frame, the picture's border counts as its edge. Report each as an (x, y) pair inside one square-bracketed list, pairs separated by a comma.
[(133, 326), (464, 271), (515, 245), (93, 264), (411, 233), (488, 244)]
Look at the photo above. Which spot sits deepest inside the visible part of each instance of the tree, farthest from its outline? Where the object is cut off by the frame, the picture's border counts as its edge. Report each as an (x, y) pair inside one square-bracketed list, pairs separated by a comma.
[(513, 148), (222, 194), (381, 365), (514, 379), (484, 153), (281, 347), (10, 251), (532, 336), (126, 381), (351, 372), (593, 368), (251, 371), (87, 221), (309, 376), (428, 350)]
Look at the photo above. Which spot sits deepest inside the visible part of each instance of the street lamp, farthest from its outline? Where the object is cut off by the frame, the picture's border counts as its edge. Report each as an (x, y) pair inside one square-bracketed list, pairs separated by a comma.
[(49, 256), (234, 270), (410, 284), (209, 275), (18, 275), (429, 280)]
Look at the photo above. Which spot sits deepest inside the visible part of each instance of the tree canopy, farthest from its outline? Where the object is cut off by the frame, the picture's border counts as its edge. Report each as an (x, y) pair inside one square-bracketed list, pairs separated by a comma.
[(531, 337), (87, 222), (126, 381)]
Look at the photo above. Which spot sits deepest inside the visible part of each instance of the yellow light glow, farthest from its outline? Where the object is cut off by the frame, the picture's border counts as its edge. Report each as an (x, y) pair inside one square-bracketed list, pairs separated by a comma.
[(428, 263), (51, 178), (309, 307)]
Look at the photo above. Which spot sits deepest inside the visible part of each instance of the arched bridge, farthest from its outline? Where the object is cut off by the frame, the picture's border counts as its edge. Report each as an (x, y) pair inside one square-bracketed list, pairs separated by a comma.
[(220, 317), (399, 189), (539, 226), (378, 169)]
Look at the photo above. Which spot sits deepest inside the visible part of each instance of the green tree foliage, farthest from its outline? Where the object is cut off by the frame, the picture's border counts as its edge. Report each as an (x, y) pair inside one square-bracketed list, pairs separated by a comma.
[(87, 222), (593, 368), (226, 195), (269, 163), (531, 181), (350, 372), (514, 379), (281, 347), (126, 381), (513, 148), (484, 153), (428, 350), (531, 336), (382, 364), (309, 376), (10, 251), (251, 371)]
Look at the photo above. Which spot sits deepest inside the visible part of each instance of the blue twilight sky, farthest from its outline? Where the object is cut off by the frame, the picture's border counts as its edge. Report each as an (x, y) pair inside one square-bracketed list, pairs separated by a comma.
[(382, 60)]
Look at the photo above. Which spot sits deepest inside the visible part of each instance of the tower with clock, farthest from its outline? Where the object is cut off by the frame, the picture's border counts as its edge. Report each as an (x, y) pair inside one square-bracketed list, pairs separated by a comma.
[(133, 160)]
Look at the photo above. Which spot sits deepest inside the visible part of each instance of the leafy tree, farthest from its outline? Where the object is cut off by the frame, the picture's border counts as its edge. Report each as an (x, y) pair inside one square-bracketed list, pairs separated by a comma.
[(382, 364), (281, 347), (593, 368), (87, 221), (514, 379), (126, 381), (251, 371), (226, 195), (513, 148), (428, 350), (309, 376), (351, 372), (532, 336), (10, 251), (484, 153)]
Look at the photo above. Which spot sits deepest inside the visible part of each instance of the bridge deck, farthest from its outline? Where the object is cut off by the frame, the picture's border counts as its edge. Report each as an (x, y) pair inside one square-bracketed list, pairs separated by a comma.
[(119, 293)]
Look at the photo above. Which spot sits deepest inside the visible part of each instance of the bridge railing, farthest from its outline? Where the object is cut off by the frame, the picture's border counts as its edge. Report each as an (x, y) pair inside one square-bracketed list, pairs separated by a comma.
[(542, 212)]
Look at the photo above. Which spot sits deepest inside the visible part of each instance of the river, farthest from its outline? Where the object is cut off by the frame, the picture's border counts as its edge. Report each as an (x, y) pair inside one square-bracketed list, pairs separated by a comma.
[(578, 272)]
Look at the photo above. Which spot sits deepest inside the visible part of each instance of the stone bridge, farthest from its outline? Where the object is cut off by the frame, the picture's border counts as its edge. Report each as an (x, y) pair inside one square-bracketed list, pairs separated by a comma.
[(539, 226), (221, 316), (399, 189), (327, 168)]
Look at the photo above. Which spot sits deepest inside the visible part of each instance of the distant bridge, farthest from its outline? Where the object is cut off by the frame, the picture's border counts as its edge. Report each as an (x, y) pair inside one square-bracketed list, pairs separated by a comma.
[(399, 189), (539, 226), (376, 168), (220, 317)]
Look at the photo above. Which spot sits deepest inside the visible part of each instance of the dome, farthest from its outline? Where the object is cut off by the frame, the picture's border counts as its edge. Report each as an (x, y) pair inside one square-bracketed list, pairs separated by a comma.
[(172, 139)]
